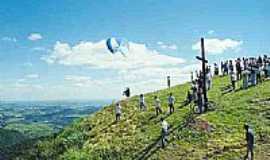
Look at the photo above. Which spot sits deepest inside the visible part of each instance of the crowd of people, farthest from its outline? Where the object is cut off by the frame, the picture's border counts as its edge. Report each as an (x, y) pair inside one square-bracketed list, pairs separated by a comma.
[(250, 70)]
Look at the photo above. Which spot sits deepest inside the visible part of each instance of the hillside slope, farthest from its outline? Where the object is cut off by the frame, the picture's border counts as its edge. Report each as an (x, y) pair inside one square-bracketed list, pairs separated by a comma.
[(217, 134)]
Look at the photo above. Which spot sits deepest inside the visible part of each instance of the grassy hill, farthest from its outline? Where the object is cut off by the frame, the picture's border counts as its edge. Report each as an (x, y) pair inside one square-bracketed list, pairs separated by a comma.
[(217, 134)]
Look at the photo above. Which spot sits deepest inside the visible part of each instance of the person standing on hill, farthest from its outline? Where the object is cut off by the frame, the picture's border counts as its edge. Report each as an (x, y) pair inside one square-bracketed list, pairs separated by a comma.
[(245, 79), (164, 132), (250, 141), (189, 98), (226, 70), (171, 101), (231, 66), (118, 111), (222, 68), (238, 68), (253, 77), (233, 80), (142, 103), (169, 81), (208, 79), (157, 105), (216, 69), (200, 100)]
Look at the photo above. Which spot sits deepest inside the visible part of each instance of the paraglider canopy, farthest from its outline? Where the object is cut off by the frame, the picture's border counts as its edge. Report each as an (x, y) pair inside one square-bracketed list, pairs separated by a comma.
[(115, 45)]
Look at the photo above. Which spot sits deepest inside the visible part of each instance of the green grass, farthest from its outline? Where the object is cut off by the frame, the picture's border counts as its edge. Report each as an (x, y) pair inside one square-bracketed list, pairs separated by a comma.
[(137, 135)]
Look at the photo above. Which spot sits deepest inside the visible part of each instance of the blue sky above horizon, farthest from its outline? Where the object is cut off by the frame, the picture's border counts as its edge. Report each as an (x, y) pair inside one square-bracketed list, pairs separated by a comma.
[(55, 49)]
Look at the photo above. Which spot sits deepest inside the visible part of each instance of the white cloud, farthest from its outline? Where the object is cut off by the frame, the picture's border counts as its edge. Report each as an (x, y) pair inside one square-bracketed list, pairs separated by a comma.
[(35, 37), (142, 69), (218, 46), (10, 39), (96, 55), (167, 46), (171, 47), (210, 32)]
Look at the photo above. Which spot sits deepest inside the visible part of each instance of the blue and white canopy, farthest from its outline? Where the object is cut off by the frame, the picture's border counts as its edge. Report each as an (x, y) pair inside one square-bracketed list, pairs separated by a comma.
[(116, 45)]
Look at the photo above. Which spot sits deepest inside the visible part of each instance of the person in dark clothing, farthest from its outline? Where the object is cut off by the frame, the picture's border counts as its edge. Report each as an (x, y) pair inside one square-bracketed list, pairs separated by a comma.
[(127, 92), (250, 142), (200, 100), (230, 66), (238, 69), (189, 97), (226, 70), (216, 69), (169, 81), (260, 61), (171, 101), (222, 68)]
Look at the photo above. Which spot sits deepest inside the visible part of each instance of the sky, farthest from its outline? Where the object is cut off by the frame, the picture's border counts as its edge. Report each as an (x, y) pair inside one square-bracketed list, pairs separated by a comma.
[(56, 50)]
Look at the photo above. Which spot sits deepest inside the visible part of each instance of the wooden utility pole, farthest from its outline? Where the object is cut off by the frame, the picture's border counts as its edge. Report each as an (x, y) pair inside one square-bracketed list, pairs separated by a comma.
[(204, 61)]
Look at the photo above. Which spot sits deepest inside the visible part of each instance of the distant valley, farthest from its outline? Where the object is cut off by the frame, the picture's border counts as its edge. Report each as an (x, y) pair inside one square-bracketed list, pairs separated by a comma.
[(21, 121)]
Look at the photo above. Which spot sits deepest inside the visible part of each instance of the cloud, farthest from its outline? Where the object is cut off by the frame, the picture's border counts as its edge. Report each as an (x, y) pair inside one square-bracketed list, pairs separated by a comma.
[(167, 46), (96, 55), (142, 69), (171, 47), (210, 32), (35, 37), (218, 46), (9, 39)]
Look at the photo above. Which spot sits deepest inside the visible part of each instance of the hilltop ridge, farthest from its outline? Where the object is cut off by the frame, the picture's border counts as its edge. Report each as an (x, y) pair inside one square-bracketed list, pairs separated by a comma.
[(217, 134)]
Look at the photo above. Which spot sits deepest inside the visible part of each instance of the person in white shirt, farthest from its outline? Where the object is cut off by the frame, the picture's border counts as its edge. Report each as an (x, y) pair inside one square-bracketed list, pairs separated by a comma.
[(233, 80), (157, 105), (164, 132), (118, 111), (209, 80), (142, 102), (171, 101), (245, 78)]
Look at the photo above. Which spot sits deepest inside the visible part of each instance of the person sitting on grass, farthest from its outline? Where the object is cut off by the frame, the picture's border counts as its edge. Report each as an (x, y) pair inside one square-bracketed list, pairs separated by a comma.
[(157, 105), (171, 101), (164, 132), (118, 111), (142, 103), (250, 142)]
